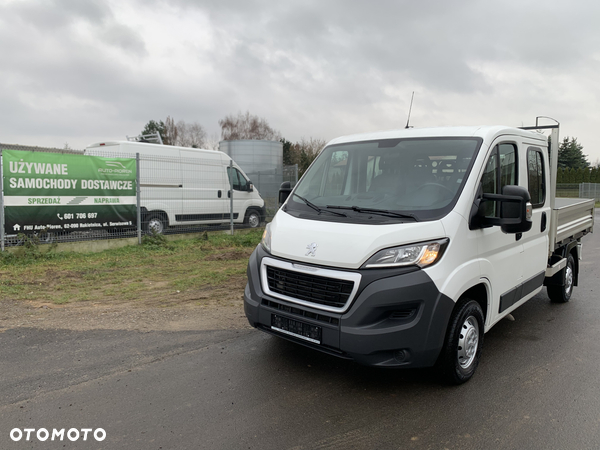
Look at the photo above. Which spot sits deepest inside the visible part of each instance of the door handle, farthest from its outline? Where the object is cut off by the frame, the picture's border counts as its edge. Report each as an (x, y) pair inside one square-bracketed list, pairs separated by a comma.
[(544, 222), (219, 193)]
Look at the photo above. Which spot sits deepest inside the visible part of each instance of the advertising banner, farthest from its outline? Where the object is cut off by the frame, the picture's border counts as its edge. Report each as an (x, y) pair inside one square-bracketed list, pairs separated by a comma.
[(59, 192)]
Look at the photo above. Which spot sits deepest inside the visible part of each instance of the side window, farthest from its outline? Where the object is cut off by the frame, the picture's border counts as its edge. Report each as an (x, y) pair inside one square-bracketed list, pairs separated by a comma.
[(237, 179), (508, 167), (500, 171), (536, 177), (243, 183)]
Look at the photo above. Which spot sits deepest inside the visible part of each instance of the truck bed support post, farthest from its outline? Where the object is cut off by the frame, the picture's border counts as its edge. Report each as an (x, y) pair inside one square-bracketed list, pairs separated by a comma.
[(1, 204), (138, 198), (553, 169), (231, 196)]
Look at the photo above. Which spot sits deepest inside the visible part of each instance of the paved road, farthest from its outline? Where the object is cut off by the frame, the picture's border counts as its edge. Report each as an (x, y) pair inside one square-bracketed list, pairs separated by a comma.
[(537, 387)]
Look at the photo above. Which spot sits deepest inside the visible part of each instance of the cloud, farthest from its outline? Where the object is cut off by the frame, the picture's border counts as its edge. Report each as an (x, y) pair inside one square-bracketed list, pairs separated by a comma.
[(82, 71)]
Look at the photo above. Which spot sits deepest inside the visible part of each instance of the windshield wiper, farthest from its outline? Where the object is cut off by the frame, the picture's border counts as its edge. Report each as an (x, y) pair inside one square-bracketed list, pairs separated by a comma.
[(316, 208), (380, 212)]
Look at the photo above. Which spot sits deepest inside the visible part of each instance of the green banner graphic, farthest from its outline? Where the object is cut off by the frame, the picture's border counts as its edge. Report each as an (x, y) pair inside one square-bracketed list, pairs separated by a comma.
[(57, 192)]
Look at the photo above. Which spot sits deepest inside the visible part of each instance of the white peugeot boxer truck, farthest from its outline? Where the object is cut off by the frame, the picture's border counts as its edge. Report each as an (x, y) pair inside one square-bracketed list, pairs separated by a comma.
[(188, 186), (402, 248)]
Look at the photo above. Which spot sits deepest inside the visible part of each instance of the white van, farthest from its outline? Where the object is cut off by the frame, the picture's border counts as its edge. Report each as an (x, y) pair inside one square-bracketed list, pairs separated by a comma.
[(402, 248), (188, 186)]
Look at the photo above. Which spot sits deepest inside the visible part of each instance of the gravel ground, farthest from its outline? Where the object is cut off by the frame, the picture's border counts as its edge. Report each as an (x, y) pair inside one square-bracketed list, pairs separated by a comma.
[(223, 312)]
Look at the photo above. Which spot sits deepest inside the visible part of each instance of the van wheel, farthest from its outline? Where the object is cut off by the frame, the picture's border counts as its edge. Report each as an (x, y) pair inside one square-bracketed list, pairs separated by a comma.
[(562, 294), (252, 218), (464, 340), (45, 237), (156, 224)]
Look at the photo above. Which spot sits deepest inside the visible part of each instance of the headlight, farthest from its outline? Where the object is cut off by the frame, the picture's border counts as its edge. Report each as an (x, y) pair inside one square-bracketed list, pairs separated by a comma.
[(266, 238), (421, 254)]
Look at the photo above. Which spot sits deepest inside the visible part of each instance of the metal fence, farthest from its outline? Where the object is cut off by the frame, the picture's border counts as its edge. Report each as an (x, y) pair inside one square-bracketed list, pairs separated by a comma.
[(578, 190), (590, 190), (175, 195), (290, 173)]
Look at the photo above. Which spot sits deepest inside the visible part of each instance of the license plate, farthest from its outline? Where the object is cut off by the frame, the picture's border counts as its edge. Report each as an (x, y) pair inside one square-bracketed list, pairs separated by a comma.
[(297, 329)]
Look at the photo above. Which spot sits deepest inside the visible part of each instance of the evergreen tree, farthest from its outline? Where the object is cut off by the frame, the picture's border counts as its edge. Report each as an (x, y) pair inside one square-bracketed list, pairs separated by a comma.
[(570, 154), (587, 175), (156, 127), (288, 158)]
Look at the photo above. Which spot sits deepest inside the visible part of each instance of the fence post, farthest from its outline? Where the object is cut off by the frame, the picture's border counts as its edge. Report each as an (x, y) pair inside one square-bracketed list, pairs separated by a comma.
[(138, 198), (1, 203), (231, 195)]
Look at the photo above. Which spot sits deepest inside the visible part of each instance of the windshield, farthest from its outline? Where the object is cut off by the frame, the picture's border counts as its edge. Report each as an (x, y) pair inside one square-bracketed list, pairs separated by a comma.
[(392, 180)]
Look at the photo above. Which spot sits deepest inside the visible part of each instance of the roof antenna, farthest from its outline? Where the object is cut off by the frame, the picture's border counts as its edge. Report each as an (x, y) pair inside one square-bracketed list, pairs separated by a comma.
[(409, 110)]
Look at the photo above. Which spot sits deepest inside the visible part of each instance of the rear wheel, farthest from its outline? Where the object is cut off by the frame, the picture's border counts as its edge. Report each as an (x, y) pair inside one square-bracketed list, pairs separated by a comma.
[(155, 223), (45, 237), (462, 347), (562, 294)]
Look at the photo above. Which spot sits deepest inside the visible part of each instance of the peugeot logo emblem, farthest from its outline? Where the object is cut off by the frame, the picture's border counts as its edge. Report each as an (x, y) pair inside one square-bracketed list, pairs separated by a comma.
[(312, 249)]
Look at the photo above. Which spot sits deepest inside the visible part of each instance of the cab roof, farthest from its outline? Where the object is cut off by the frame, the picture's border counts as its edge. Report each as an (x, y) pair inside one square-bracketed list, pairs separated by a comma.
[(487, 133)]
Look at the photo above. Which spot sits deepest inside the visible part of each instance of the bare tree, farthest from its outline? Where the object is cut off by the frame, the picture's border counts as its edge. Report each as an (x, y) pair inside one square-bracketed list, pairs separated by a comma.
[(247, 126), (190, 135), (212, 142), (170, 132)]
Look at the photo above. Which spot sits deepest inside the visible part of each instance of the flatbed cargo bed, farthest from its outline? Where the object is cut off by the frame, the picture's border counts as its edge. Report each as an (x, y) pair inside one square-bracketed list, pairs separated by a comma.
[(572, 218)]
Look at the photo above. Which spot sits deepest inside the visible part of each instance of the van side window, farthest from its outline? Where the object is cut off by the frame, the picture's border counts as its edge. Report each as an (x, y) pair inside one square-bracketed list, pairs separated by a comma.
[(500, 171), (237, 179), (536, 177)]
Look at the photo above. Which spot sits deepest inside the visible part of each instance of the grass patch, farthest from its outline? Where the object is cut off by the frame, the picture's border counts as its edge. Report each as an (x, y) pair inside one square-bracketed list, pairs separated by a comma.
[(148, 272)]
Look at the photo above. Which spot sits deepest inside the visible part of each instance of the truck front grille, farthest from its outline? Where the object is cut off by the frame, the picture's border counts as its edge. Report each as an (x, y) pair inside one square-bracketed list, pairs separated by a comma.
[(310, 288)]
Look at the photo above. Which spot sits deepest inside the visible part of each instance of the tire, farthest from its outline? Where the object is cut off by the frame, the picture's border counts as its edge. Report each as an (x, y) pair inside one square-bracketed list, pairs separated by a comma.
[(462, 346), (45, 237), (155, 223), (562, 294), (252, 218)]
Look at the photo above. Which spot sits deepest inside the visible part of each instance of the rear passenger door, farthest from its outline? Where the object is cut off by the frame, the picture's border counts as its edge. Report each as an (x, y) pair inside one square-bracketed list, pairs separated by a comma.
[(203, 194), (535, 241)]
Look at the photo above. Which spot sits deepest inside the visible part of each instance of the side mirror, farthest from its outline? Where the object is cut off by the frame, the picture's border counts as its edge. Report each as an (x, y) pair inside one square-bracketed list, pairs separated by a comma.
[(515, 210), (250, 186), (284, 192)]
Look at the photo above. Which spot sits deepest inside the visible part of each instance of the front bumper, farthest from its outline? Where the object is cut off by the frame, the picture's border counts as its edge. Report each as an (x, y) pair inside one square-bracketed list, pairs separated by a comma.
[(398, 318)]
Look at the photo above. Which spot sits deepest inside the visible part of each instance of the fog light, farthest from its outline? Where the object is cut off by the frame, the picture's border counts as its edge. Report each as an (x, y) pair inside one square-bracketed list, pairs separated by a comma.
[(401, 355)]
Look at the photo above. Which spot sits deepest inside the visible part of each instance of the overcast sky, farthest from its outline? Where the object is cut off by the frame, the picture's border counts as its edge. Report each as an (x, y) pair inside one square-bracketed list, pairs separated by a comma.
[(82, 71)]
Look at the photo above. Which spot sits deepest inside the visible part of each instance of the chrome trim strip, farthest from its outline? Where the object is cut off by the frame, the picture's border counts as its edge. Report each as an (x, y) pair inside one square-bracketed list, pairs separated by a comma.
[(299, 336), (336, 274)]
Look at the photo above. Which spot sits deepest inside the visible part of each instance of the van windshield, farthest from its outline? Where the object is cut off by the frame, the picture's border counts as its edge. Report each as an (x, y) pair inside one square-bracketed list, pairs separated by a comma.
[(385, 181)]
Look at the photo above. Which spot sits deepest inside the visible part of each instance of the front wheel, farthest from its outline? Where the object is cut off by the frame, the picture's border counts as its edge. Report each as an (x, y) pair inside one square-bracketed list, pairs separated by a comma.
[(462, 347), (252, 218), (562, 294)]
